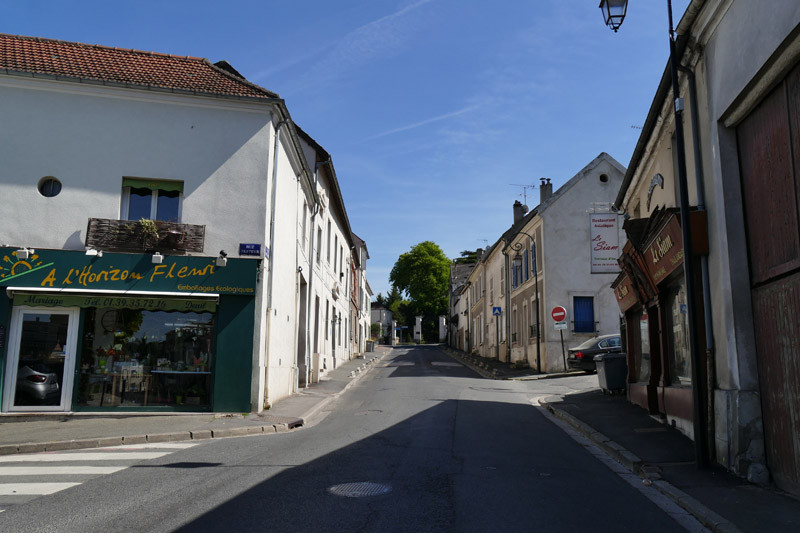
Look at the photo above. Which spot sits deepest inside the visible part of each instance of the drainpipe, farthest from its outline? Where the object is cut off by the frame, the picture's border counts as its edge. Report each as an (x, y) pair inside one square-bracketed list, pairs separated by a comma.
[(270, 272), (701, 201)]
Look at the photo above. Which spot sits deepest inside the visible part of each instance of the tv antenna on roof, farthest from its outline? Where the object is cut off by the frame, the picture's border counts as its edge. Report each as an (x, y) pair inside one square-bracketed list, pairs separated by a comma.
[(485, 242), (524, 191)]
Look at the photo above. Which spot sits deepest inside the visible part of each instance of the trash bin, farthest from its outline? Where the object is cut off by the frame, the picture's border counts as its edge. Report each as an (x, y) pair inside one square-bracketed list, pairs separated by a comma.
[(370, 346), (612, 371)]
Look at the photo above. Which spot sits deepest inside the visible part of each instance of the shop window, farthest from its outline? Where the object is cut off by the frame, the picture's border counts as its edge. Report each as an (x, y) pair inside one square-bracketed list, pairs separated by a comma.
[(137, 358), (680, 359), (151, 199), (643, 354), (583, 308)]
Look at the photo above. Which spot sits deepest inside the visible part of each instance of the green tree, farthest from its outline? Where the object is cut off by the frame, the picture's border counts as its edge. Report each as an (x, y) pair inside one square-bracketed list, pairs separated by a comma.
[(422, 274), (467, 256)]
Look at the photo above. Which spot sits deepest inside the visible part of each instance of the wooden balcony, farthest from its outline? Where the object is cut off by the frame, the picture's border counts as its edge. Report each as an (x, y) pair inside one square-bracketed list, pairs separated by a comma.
[(144, 236)]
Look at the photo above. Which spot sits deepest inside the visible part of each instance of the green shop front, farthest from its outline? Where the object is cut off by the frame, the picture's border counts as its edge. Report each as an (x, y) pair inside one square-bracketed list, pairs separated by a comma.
[(124, 332)]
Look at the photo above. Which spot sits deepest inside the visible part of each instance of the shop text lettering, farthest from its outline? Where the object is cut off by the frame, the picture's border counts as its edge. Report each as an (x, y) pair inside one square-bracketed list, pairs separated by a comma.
[(86, 277), (660, 248), (600, 245)]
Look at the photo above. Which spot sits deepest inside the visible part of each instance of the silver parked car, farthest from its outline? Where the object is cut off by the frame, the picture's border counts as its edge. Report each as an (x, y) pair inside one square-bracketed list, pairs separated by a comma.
[(37, 381)]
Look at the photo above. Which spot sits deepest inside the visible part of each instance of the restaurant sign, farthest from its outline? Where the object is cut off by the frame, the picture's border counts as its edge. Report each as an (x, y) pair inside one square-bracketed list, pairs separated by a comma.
[(665, 252), (604, 243), (67, 269), (625, 293)]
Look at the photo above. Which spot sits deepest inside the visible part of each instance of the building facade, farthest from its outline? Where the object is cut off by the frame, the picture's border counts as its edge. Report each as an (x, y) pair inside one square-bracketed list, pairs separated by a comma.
[(741, 107), (154, 234)]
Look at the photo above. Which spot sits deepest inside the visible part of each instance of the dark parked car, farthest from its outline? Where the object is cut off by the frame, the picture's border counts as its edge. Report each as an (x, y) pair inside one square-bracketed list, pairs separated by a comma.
[(582, 357)]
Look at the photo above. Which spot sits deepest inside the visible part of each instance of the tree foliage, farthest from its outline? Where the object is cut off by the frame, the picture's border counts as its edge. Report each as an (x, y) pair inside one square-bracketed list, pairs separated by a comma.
[(422, 274), (467, 256)]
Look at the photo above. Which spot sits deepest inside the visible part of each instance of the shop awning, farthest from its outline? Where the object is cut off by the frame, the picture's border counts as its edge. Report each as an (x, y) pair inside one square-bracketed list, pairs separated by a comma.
[(148, 300), (160, 185)]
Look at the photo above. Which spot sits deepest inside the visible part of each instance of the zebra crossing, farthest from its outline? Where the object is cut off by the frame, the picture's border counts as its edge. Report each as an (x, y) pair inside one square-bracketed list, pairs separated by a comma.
[(24, 477)]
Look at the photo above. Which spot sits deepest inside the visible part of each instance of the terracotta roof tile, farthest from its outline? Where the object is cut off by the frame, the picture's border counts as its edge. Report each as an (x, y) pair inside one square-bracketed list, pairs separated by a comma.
[(121, 66)]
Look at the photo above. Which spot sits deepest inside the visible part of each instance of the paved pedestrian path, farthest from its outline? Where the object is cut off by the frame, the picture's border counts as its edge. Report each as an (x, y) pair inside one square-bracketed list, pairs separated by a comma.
[(30, 433)]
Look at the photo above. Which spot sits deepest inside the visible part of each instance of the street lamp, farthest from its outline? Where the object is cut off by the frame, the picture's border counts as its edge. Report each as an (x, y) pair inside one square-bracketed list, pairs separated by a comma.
[(614, 14), (516, 263)]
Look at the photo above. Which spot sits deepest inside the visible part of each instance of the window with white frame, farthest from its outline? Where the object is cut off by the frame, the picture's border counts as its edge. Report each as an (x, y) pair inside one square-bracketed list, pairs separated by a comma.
[(329, 243), (305, 223), (524, 318), (335, 250), (319, 245), (151, 199)]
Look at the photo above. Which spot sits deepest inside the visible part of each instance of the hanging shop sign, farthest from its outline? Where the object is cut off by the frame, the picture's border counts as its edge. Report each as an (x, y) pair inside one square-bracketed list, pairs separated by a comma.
[(604, 243), (664, 253), (67, 269), (625, 292)]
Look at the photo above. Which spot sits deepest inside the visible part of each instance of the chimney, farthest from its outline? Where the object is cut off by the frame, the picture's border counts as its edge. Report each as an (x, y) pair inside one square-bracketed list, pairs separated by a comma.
[(479, 253), (519, 211), (545, 190)]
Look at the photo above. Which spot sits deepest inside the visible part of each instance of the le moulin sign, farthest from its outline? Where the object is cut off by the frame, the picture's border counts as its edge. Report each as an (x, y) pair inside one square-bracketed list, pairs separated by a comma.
[(62, 269)]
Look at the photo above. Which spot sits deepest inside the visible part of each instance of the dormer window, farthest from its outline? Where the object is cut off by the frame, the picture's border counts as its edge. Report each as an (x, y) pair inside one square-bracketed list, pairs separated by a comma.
[(151, 199)]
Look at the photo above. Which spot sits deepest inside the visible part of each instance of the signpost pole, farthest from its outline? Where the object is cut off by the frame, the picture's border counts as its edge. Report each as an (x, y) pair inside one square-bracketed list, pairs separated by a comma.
[(559, 315), (497, 337)]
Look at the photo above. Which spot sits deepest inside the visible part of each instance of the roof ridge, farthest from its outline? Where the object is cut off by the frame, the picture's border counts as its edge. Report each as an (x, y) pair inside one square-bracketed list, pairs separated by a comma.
[(99, 46), (238, 79)]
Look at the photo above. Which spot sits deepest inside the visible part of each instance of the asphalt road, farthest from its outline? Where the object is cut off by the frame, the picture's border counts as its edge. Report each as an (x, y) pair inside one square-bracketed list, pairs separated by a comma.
[(421, 443)]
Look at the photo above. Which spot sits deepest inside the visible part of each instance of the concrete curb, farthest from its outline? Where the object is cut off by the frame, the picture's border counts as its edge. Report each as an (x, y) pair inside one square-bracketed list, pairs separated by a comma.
[(483, 369), (105, 442), (190, 435), (632, 462), (464, 361)]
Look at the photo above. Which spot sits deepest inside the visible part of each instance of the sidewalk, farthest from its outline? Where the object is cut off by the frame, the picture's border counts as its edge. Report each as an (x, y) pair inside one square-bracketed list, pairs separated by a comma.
[(28, 433), (660, 454)]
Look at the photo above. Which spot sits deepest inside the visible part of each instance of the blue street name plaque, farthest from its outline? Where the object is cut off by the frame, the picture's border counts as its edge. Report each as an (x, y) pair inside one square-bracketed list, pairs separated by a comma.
[(250, 249)]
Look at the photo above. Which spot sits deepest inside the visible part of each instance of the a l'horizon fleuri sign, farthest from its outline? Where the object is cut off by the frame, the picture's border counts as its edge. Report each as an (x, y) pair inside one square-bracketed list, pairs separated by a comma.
[(62, 269)]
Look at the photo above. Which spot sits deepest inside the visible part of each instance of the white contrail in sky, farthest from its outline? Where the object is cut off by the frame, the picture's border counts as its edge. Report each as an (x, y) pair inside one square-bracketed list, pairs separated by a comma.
[(423, 122)]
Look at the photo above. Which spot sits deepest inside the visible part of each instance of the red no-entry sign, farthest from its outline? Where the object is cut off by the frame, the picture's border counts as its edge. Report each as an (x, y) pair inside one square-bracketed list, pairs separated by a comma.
[(559, 314)]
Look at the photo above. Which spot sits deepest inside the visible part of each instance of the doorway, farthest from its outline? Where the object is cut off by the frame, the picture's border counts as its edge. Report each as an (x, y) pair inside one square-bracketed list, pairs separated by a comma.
[(41, 359)]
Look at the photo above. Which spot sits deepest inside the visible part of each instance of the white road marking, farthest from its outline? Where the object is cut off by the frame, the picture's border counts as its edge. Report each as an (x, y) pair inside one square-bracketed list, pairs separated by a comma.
[(80, 456), (402, 363), (26, 489), (58, 470)]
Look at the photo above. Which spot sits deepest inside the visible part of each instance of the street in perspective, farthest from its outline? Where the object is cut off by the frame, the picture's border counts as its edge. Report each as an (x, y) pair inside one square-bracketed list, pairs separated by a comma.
[(409, 265), (420, 443)]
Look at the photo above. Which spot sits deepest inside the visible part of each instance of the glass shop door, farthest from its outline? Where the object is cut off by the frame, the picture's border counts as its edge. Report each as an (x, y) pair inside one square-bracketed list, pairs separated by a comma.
[(41, 359)]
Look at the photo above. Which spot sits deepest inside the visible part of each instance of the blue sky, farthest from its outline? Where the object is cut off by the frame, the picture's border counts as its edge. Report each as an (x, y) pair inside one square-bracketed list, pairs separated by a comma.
[(431, 109)]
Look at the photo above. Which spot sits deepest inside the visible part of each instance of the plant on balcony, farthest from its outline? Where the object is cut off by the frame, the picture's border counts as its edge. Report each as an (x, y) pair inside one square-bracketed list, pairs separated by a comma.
[(149, 231)]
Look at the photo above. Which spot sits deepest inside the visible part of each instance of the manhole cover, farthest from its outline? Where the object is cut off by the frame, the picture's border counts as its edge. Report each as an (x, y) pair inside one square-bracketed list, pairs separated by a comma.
[(359, 489)]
